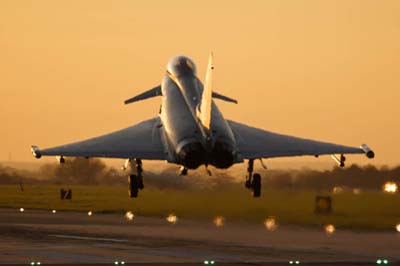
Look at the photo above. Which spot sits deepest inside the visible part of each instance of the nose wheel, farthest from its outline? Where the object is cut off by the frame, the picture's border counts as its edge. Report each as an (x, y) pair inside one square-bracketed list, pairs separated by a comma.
[(253, 181)]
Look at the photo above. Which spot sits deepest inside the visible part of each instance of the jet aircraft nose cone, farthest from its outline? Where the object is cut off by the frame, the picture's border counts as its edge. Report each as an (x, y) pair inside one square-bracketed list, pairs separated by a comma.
[(181, 66)]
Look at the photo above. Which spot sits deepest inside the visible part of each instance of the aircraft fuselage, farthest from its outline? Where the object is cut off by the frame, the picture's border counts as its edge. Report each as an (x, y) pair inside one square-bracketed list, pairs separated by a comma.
[(193, 144)]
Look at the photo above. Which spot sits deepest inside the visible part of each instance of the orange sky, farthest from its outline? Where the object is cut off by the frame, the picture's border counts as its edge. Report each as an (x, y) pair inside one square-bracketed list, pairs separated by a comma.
[(328, 70)]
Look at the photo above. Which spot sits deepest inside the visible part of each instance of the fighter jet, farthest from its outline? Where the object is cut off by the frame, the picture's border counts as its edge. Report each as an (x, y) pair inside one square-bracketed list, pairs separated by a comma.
[(191, 131)]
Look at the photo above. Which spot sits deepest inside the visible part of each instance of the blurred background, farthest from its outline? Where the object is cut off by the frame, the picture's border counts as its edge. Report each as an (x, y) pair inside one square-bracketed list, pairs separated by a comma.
[(321, 70)]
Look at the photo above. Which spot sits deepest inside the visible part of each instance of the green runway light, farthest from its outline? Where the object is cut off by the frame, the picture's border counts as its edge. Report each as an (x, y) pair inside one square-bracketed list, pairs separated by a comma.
[(122, 262), (382, 261), (291, 262), (116, 262), (212, 262), (297, 262), (32, 263), (206, 262), (38, 263)]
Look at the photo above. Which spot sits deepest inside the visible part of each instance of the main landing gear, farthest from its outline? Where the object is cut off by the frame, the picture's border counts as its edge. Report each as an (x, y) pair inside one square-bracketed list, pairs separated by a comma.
[(253, 181), (183, 171), (135, 179)]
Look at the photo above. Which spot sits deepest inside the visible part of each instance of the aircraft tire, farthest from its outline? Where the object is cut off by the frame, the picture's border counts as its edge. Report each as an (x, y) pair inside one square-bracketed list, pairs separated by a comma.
[(256, 185), (133, 186), (140, 182)]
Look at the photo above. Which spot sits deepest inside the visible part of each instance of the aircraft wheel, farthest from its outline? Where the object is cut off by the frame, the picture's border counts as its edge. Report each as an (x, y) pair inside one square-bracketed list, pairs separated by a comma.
[(256, 185), (140, 182), (133, 186)]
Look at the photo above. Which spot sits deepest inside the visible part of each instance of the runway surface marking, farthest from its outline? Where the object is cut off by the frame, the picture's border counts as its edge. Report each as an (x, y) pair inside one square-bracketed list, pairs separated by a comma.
[(91, 238)]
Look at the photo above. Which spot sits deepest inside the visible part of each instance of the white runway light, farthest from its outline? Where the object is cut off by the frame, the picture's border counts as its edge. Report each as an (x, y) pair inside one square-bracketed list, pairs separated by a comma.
[(390, 187), (329, 229), (398, 227), (337, 190), (89, 213), (172, 219), (271, 224), (53, 211), (21, 209), (129, 215), (219, 221)]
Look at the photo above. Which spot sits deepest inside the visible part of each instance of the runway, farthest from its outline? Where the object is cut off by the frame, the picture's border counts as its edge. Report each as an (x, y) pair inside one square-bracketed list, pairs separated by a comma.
[(68, 238)]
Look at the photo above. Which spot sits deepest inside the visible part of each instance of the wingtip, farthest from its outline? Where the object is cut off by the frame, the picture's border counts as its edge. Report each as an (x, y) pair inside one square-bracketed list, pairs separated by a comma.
[(368, 151), (36, 151)]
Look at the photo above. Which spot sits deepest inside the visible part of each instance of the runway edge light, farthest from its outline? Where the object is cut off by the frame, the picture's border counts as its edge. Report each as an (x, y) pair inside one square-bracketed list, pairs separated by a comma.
[(382, 261)]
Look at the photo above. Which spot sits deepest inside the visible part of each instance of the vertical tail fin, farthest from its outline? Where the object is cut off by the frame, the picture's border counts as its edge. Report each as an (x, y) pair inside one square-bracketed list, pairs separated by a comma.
[(205, 105)]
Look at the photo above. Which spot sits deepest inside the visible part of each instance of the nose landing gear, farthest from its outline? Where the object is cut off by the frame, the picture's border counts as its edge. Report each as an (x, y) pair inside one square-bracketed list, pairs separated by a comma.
[(253, 181)]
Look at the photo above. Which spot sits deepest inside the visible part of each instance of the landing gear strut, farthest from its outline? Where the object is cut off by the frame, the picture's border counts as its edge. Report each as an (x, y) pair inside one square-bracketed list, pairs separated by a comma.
[(253, 181), (135, 178), (183, 171)]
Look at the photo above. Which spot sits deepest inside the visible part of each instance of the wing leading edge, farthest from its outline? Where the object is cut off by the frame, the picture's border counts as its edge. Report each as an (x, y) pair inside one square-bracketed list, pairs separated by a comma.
[(142, 141), (254, 143)]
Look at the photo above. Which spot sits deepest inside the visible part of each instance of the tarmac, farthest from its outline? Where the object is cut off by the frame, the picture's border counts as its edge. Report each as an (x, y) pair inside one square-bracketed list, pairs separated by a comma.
[(71, 238)]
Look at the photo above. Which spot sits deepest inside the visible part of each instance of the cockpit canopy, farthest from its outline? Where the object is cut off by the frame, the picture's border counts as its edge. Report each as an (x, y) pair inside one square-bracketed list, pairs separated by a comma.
[(181, 66)]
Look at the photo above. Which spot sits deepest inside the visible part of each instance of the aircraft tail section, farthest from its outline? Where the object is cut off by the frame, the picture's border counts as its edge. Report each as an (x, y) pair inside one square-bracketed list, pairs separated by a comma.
[(206, 99)]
